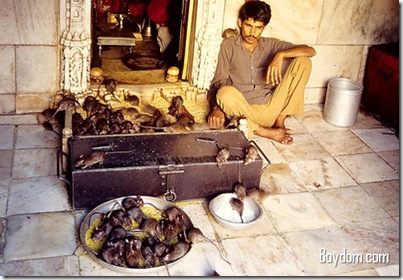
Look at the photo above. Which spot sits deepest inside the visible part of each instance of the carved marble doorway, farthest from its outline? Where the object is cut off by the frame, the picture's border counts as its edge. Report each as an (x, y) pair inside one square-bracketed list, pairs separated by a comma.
[(199, 42)]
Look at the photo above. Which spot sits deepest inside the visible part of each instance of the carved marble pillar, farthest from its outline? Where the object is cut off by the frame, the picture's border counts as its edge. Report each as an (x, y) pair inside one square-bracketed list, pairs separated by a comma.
[(208, 40), (76, 47)]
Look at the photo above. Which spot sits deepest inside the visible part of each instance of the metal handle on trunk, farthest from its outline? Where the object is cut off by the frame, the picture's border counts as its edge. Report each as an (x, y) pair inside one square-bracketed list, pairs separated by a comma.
[(263, 154), (60, 172)]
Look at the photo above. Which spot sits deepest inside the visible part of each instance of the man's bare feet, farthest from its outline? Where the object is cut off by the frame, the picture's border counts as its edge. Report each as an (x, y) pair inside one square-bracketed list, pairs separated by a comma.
[(281, 135)]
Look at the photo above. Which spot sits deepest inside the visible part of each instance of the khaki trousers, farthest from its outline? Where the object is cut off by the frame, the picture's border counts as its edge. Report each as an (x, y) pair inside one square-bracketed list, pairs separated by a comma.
[(286, 99)]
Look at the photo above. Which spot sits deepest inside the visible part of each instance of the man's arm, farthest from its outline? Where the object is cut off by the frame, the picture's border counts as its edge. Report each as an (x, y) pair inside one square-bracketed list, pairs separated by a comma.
[(274, 70), (216, 117)]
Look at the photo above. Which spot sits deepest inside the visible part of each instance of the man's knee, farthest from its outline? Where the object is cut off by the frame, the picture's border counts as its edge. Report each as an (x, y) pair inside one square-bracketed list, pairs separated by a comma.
[(302, 61)]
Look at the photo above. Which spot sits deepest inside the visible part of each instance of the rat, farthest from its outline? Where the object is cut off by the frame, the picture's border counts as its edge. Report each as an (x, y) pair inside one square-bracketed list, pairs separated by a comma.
[(133, 255), (127, 202), (102, 126), (121, 218), (238, 206), (129, 113), (148, 255), (88, 103), (51, 127), (233, 122), (240, 191), (90, 160), (136, 214), (152, 227), (170, 229), (222, 156), (195, 235), (66, 103), (133, 99), (251, 154), (103, 230), (258, 194), (117, 233), (111, 86), (176, 252), (229, 32), (176, 106), (174, 213), (159, 249), (178, 110), (112, 256)]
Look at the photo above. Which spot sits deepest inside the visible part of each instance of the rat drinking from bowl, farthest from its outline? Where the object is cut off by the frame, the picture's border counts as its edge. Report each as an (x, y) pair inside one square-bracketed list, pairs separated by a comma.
[(237, 205)]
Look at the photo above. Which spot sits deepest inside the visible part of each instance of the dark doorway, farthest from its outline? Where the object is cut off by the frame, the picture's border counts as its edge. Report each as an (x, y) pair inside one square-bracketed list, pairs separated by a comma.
[(126, 41)]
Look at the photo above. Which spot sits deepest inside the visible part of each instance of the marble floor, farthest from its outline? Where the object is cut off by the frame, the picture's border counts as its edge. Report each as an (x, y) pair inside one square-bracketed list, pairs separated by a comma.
[(332, 209)]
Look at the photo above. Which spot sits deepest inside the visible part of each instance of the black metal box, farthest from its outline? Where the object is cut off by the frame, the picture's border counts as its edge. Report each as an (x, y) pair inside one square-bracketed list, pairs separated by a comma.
[(175, 165)]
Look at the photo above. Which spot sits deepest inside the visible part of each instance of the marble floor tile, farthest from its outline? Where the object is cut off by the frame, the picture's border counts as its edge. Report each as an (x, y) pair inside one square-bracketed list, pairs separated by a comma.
[(359, 273), (296, 211), (269, 149), (35, 136), (295, 125), (41, 235), (319, 251), (304, 147), (279, 178), (378, 237), (366, 168), (6, 137), (314, 122), (350, 204), (6, 164), (342, 142), (4, 188), (320, 174), (34, 163), (38, 194), (386, 193), (392, 158), (264, 255), (366, 120), (390, 270), (381, 139), (58, 266)]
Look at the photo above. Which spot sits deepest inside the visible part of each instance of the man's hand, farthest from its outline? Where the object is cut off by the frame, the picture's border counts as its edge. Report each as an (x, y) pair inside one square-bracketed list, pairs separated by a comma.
[(216, 119), (274, 70)]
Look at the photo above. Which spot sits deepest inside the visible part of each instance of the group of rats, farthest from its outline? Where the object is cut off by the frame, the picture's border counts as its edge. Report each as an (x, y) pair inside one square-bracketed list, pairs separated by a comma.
[(132, 239)]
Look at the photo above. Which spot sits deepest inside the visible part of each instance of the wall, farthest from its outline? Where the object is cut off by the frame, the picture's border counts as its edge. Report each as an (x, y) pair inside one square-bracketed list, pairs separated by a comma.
[(29, 54), (340, 31)]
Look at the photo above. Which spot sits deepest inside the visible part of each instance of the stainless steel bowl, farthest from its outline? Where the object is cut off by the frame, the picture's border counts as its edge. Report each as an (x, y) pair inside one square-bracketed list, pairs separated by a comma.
[(222, 211), (104, 208)]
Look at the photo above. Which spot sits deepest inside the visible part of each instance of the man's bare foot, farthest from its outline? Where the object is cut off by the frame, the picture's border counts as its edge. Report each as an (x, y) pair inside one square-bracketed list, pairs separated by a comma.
[(280, 122), (281, 135)]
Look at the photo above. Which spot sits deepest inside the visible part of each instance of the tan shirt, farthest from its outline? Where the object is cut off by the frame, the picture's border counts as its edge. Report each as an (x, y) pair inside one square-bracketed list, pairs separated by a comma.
[(247, 70)]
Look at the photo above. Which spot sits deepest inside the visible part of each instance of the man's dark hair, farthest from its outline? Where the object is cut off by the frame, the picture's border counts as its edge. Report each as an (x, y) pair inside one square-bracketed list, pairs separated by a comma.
[(258, 10)]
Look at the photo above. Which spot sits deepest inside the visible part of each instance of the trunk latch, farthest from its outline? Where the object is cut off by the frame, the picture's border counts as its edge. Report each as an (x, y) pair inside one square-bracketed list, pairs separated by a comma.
[(168, 171)]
